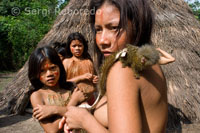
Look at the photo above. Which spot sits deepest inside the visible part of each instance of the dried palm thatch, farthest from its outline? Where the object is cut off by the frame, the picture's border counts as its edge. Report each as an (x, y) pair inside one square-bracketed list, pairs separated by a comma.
[(176, 31)]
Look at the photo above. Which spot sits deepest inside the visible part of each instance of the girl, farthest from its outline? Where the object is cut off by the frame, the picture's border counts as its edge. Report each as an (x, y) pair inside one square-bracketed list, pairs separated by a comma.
[(78, 65), (59, 47), (51, 92)]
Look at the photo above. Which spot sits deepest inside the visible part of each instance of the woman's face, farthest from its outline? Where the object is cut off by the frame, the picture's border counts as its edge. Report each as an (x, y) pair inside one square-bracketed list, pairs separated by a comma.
[(76, 48), (107, 20), (49, 74)]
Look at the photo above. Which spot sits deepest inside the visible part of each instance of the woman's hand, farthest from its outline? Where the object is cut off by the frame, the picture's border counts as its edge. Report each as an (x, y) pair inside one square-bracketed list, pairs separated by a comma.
[(42, 111), (74, 118)]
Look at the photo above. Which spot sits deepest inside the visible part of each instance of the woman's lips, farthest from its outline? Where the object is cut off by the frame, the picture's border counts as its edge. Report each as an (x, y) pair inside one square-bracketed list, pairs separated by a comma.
[(107, 54)]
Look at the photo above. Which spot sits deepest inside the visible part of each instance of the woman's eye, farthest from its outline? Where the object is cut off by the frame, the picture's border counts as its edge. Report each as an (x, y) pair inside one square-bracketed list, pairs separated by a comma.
[(97, 30), (115, 28)]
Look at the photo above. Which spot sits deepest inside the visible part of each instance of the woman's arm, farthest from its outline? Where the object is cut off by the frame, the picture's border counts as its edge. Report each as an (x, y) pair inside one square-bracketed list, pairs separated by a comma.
[(48, 125), (123, 96), (165, 57), (76, 118)]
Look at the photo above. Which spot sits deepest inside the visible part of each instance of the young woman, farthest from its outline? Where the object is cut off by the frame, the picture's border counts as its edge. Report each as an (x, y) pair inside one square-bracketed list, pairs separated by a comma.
[(51, 94), (79, 66), (130, 104)]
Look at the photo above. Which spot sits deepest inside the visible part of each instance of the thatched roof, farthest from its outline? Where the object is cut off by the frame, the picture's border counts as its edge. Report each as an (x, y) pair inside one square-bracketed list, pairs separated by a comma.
[(176, 31)]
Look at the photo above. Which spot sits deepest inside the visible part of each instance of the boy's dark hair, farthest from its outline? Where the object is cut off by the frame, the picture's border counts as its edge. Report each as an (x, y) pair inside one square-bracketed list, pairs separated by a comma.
[(60, 48), (80, 37), (35, 63), (136, 11)]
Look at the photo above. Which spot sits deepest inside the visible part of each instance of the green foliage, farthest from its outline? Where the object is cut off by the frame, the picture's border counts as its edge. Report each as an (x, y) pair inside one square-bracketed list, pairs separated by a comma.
[(22, 25), (196, 8)]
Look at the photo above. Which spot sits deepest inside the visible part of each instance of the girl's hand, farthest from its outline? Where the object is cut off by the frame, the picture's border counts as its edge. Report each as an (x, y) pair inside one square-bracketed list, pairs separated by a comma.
[(87, 76), (77, 97), (95, 79), (42, 111)]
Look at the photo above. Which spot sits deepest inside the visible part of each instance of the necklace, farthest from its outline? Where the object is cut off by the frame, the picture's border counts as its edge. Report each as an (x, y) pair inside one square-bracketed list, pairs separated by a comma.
[(56, 98)]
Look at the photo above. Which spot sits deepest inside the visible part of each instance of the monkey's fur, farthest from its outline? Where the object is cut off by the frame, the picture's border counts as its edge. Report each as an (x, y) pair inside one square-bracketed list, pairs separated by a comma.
[(137, 58)]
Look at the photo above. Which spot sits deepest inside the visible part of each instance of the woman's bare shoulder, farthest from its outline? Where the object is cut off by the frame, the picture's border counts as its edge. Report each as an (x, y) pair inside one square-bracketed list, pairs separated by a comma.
[(118, 68)]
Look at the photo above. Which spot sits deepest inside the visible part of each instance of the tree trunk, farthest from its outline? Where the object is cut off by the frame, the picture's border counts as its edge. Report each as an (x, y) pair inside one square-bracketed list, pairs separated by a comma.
[(176, 31)]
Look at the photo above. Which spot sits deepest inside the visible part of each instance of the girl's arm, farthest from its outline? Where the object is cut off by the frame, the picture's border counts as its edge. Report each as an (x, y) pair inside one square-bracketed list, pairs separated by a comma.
[(44, 111), (77, 97), (165, 57), (86, 76), (124, 114), (47, 124)]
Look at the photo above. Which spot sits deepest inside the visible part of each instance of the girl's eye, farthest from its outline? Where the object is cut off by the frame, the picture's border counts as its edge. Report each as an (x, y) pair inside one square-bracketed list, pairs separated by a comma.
[(53, 68), (42, 71)]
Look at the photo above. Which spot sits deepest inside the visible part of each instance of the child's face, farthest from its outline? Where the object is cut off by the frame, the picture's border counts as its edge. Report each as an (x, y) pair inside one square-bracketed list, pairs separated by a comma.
[(49, 74), (76, 48), (61, 57), (107, 20)]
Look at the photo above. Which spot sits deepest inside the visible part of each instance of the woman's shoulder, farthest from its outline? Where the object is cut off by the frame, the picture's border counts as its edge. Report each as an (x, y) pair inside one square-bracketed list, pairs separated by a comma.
[(118, 69)]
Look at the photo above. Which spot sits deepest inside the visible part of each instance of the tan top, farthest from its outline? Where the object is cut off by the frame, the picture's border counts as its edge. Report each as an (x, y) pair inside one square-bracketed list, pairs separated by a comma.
[(77, 68)]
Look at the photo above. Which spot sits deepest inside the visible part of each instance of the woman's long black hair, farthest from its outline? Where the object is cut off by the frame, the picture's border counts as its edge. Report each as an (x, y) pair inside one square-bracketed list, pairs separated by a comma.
[(35, 63), (138, 12)]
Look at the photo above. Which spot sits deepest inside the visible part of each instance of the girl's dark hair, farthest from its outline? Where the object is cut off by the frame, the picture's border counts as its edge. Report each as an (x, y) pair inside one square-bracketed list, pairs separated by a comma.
[(138, 12), (60, 48), (35, 63), (80, 37)]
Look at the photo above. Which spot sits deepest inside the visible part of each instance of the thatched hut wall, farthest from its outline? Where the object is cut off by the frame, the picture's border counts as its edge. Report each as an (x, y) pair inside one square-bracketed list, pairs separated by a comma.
[(178, 32)]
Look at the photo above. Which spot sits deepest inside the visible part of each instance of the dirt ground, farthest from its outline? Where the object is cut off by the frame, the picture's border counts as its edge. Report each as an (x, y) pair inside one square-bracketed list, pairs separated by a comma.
[(16, 123), (26, 124), (19, 124)]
